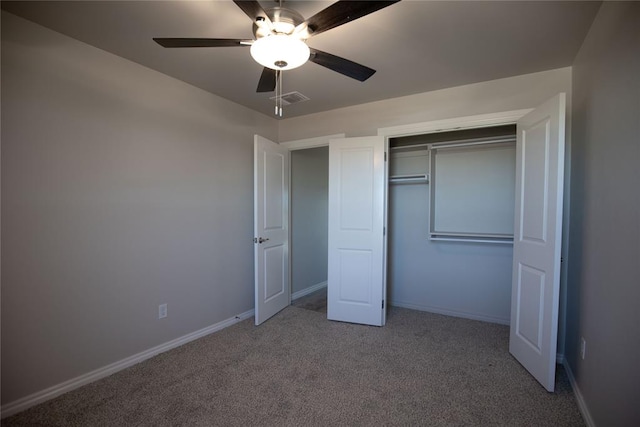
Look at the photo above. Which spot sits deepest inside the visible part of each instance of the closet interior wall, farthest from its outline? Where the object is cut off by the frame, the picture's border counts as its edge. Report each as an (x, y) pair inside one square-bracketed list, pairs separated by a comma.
[(309, 219), (459, 278)]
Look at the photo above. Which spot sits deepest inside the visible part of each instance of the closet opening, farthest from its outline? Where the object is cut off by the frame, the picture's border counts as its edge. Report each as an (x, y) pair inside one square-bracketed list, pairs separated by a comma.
[(450, 223), (309, 227), (450, 220)]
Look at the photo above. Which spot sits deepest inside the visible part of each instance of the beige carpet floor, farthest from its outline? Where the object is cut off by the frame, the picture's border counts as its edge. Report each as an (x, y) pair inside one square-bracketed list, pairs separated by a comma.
[(315, 301), (299, 369)]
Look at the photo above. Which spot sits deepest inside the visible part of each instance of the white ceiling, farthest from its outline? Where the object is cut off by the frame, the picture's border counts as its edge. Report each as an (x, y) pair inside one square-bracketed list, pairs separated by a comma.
[(415, 46)]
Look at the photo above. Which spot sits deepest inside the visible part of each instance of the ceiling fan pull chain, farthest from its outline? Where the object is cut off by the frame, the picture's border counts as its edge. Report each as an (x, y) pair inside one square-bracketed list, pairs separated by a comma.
[(277, 86), (280, 94)]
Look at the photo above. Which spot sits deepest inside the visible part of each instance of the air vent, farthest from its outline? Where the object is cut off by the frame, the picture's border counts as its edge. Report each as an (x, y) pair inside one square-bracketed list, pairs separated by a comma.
[(291, 98)]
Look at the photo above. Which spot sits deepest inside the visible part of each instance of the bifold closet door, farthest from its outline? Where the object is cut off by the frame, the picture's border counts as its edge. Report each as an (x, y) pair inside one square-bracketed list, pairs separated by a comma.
[(356, 282)]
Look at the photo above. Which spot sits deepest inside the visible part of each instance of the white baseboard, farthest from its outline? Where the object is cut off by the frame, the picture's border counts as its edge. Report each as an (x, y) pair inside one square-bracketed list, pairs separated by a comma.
[(454, 313), (26, 402), (582, 405), (309, 290)]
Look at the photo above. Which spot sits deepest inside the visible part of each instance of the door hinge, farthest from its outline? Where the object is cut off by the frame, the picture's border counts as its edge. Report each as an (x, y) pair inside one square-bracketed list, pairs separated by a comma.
[(384, 231), (385, 156), (383, 304)]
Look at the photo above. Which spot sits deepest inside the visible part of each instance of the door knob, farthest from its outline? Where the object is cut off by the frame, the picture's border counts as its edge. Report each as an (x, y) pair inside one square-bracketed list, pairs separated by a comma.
[(261, 240)]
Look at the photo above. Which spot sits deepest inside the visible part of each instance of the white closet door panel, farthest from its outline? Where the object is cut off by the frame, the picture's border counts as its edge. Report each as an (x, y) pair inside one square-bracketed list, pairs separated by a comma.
[(271, 228), (356, 282), (537, 239)]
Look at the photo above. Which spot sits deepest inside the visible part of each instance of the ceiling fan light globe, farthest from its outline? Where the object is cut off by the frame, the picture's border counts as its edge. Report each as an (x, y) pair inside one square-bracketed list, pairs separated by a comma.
[(280, 52)]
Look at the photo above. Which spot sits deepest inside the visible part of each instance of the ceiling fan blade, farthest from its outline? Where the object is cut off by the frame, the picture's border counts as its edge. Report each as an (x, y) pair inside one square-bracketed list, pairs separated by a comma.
[(183, 42), (341, 65), (253, 10), (342, 12), (267, 81)]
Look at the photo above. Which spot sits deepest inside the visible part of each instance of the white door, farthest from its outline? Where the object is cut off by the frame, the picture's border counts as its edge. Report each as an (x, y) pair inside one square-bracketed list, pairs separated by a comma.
[(271, 225), (537, 239), (356, 284)]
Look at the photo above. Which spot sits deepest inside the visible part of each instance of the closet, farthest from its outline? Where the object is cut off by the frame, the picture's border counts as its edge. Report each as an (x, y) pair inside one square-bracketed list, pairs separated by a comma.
[(450, 220), (309, 213)]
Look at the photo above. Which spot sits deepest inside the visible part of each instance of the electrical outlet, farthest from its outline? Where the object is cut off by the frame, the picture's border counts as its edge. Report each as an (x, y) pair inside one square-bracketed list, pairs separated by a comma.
[(162, 311), (583, 347)]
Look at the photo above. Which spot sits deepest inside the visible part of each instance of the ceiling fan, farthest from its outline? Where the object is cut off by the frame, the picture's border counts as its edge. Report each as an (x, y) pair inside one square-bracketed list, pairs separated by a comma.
[(280, 38)]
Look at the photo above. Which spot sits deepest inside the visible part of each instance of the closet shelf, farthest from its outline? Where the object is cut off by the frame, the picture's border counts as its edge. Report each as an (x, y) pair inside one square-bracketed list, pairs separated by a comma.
[(421, 178)]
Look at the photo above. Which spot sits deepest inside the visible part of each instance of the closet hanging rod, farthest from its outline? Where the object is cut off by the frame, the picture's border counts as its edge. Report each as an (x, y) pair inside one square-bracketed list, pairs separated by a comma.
[(483, 141), (409, 179), (459, 142), (472, 240), (425, 144)]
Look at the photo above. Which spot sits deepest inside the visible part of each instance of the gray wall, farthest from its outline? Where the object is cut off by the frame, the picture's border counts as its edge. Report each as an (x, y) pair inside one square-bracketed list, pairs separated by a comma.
[(513, 93), (604, 262), (309, 217), (122, 189)]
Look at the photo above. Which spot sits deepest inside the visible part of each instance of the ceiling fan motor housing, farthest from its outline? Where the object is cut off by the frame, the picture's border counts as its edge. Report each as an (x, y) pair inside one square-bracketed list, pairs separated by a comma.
[(284, 21)]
